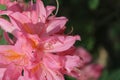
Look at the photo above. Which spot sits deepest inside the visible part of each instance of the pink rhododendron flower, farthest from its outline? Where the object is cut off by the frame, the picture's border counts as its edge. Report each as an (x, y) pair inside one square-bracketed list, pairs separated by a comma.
[(4, 2), (39, 49), (14, 6), (77, 64), (95, 71), (83, 54), (25, 57)]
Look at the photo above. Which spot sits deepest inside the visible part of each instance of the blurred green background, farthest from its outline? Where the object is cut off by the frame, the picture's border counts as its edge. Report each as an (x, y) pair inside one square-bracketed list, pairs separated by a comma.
[(98, 24)]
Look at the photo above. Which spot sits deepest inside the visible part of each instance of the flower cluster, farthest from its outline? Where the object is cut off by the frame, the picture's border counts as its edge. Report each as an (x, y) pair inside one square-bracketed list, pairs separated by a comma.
[(39, 49)]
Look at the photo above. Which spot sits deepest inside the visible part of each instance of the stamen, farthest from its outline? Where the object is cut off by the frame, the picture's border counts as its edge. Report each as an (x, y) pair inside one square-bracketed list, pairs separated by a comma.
[(57, 7), (48, 46), (71, 30)]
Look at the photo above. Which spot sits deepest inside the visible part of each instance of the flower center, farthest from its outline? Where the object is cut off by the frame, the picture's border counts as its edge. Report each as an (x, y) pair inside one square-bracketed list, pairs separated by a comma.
[(27, 28)]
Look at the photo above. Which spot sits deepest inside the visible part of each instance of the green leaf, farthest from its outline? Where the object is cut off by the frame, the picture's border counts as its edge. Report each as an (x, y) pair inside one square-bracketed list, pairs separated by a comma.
[(110, 75), (115, 75), (69, 78), (2, 40), (2, 7), (93, 4), (90, 43), (104, 75), (5, 17)]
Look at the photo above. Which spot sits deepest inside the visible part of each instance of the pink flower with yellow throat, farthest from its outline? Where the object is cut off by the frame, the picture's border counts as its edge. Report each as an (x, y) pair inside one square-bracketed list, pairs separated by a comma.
[(37, 39)]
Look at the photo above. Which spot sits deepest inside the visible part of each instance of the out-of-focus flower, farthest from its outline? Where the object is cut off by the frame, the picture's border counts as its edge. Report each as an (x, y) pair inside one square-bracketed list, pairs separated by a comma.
[(5, 2), (92, 71), (15, 5), (77, 64)]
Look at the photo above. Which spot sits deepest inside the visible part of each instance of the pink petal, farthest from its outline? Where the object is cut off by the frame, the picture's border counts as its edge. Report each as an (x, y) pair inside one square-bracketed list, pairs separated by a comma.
[(14, 23), (14, 6), (55, 25), (83, 54), (16, 72), (50, 59), (42, 72), (2, 70), (94, 69), (50, 9), (59, 43), (9, 54), (39, 28), (32, 15), (6, 26), (4, 1), (25, 76), (23, 23), (72, 62), (41, 11), (5, 48), (20, 17), (51, 75), (70, 51), (6, 12)]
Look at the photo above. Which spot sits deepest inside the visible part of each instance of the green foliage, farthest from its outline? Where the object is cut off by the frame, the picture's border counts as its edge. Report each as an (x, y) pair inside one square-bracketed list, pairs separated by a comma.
[(27, 0), (114, 35), (113, 75), (2, 7), (5, 17), (2, 40), (93, 4), (104, 75), (69, 78)]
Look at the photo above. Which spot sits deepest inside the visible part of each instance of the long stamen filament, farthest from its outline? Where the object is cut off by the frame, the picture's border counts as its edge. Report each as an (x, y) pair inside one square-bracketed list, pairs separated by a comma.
[(57, 7)]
